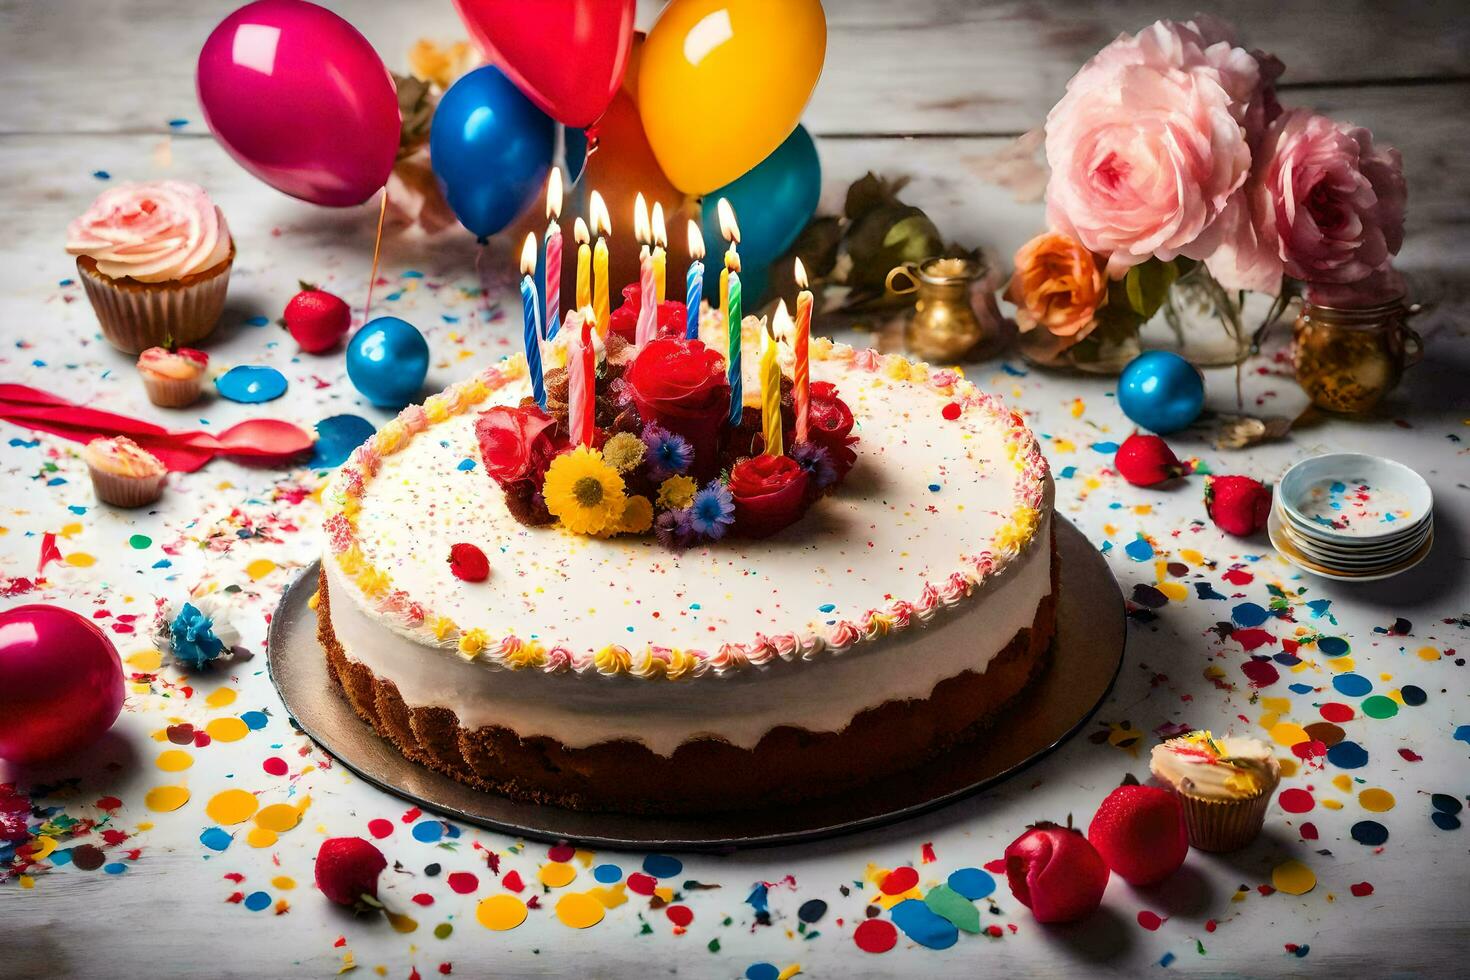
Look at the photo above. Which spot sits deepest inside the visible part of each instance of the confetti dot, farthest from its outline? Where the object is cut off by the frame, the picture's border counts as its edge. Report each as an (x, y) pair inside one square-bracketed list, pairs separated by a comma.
[(275, 766), (579, 911), (1150, 920), (257, 901), (139, 542), (251, 384), (215, 838), (898, 881), (1376, 800), (1369, 832), (1296, 800), (284, 883), (607, 874), (762, 971), (662, 866), (501, 913), (1413, 696), (1286, 733), (1332, 646), (227, 729), (255, 720), (920, 924), (556, 874), (221, 698), (428, 831), (1380, 707), (1347, 755), (1352, 685), (279, 817), (462, 882), (232, 806), (811, 910), (1293, 878), (679, 915), (259, 569), (261, 837), (1336, 712), (972, 883), (951, 411), (174, 760), (1248, 614), (380, 828), (146, 660), (875, 936), (560, 852), (641, 884), (163, 799)]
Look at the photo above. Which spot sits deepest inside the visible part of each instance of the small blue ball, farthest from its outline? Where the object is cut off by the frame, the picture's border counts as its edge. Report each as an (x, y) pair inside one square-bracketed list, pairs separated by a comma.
[(387, 361), (1161, 391)]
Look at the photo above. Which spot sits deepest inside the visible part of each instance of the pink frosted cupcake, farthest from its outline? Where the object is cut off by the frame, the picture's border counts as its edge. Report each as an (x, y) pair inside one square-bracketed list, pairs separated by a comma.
[(123, 473), (155, 260), (173, 379), (1224, 785)]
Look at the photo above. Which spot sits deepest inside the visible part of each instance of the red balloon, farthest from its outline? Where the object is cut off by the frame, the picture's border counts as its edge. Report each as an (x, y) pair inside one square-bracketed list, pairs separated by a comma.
[(61, 683), (301, 100), (568, 56)]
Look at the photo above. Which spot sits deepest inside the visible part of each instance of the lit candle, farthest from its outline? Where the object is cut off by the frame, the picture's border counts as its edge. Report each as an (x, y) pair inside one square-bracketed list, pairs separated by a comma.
[(584, 263), (730, 303), (581, 382), (694, 281), (801, 374), (771, 382), (531, 310), (553, 253), (602, 226), (660, 253), (648, 297)]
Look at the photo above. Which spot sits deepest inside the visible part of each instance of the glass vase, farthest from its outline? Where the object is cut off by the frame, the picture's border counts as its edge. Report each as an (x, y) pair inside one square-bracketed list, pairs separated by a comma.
[(1200, 321)]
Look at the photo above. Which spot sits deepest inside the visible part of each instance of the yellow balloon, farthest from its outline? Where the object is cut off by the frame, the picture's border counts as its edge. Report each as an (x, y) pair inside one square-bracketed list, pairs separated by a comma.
[(723, 82)]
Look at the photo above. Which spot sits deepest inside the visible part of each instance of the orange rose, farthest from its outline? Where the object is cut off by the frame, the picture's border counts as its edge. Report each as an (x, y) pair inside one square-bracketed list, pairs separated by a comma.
[(1056, 285)]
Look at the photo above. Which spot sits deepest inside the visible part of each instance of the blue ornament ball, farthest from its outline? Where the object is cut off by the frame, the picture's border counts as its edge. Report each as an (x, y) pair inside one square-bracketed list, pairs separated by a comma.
[(387, 361), (1161, 391)]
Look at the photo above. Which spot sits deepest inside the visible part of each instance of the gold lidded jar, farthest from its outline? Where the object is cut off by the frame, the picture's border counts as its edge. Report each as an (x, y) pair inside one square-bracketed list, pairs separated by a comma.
[(944, 326), (1348, 360)]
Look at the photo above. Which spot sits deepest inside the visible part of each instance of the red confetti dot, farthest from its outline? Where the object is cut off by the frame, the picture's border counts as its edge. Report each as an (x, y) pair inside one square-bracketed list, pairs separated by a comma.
[(994, 932), (1409, 755), (562, 852), (462, 882), (996, 867), (512, 881), (926, 854), (201, 739), (1211, 925), (1336, 713), (1310, 749), (446, 968), (1149, 920), (380, 828), (1361, 890), (951, 411), (109, 803), (680, 915), (411, 814), (1239, 576), (641, 884), (423, 898), (275, 765), (875, 936), (898, 881), (1308, 831), (1296, 800)]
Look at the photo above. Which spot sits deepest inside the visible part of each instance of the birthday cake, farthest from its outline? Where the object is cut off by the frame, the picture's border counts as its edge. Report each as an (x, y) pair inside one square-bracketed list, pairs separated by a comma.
[(660, 659)]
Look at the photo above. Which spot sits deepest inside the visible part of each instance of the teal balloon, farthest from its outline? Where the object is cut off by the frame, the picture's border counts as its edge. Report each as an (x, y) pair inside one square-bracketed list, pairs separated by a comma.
[(752, 283), (1161, 391), (491, 149), (772, 202), (388, 360)]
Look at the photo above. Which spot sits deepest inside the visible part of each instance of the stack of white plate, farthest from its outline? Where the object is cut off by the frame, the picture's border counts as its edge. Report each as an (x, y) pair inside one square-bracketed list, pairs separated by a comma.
[(1353, 517)]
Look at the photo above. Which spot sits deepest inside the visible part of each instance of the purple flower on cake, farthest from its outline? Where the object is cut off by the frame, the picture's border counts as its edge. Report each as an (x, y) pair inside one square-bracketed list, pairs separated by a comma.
[(817, 462), (672, 529), (712, 512), (668, 452)]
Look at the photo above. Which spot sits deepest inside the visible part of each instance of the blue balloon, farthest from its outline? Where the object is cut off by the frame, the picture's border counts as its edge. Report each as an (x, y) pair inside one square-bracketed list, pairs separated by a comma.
[(1161, 391), (387, 361), (491, 150), (772, 202)]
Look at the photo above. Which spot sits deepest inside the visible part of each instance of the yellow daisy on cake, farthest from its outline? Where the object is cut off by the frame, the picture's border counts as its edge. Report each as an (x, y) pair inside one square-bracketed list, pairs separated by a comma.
[(677, 492), (584, 492)]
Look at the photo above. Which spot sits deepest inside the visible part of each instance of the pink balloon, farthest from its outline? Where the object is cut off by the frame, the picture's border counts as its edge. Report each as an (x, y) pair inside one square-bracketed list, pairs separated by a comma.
[(61, 683), (301, 100), (567, 56)]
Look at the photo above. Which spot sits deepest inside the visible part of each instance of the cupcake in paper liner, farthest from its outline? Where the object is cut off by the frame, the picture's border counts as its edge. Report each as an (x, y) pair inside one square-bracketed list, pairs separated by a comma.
[(173, 379), (1225, 785), (155, 261), (124, 474)]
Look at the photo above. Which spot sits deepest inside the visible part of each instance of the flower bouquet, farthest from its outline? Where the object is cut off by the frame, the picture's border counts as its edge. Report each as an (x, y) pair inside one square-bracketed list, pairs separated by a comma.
[(1179, 184)]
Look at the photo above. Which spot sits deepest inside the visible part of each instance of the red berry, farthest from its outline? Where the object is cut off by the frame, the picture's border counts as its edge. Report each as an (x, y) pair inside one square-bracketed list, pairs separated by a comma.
[(317, 319), (1237, 504), (468, 563), (1140, 833), (1055, 873), (1147, 461), (347, 870)]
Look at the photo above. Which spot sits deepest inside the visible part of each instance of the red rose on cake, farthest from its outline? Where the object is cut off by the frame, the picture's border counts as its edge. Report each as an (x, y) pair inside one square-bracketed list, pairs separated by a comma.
[(516, 443), (769, 492), (680, 384), (623, 322), (829, 425)]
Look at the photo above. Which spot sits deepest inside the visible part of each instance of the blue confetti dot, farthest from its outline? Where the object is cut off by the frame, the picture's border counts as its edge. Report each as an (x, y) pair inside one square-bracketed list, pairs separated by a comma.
[(1445, 803), (1332, 646), (258, 321), (115, 868), (215, 838), (1413, 696), (101, 175), (662, 865), (257, 901), (60, 857), (1352, 685), (178, 123), (465, 465), (1166, 959), (972, 883), (1067, 472), (827, 607), (428, 831), (933, 488), (1248, 614), (1139, 549), (250, 384), (1462, 734), (1347, 755), (336, 437), (607, 874), (923, 926), (762, 971), (1445, 821), (1105, 447), (1301, 951), (1301, 689), (1205, 590), (255, 720), (1369, 832)]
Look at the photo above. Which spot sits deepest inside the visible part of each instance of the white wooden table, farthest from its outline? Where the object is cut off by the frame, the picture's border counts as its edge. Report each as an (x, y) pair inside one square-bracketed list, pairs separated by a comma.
[(932, 89)]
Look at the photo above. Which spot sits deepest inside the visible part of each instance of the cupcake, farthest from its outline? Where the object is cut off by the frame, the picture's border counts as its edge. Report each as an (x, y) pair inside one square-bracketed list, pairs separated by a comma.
[(173, 379), (123, 473), (1225, 785), (155, 260)]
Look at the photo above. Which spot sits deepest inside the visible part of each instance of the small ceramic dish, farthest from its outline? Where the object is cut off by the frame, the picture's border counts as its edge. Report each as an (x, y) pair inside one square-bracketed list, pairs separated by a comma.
[(1372, 554), (1288, 550), (1353, 498)]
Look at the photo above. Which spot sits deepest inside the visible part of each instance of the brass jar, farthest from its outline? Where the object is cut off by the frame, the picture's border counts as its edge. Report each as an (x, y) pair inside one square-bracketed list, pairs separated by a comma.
[(944, 326), (1348, 360)]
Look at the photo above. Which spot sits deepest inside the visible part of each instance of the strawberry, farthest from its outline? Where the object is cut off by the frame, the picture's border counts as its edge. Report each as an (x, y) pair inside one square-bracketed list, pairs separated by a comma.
[(468, 563), (1237, 504), (1147, 461), (1140, 833), (347, 870), (317, 319), (1056, 873)]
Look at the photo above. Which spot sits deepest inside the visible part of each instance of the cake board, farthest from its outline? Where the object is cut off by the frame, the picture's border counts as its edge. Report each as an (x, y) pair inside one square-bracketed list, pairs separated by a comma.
[(1085, 658)]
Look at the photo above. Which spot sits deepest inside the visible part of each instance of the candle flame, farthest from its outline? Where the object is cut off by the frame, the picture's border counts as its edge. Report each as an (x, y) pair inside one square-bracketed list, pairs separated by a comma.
[(729, 230), (732, 258), (696, 241), (597, 212), (640, 219), (580, 233), (553, 194), (801, 282), (781, 324), (660, 235), (528, 256)]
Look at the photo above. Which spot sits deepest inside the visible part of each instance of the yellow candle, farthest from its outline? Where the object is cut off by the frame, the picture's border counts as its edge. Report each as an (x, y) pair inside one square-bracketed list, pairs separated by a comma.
[(800, 344), (602, 224), (771, 382), (660, 249), (584, 264)]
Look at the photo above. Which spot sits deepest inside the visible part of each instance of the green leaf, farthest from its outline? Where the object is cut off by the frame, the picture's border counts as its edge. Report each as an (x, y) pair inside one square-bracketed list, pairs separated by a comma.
[(1147, 286)]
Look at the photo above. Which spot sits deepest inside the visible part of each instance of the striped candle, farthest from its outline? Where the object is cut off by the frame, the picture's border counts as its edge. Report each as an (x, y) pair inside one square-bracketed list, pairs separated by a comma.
[(531, 317), (694, 282), (801, 375), (553, 253), (737, 385)]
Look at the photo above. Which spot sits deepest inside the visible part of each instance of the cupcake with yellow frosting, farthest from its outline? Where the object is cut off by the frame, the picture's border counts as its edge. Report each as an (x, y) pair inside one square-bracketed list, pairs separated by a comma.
[(173, 378), (124, 474), (1224, 784), (155, 260)]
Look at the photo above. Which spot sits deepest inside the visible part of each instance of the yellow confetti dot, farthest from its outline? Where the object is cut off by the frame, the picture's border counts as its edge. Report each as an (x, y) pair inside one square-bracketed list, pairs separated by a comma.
[(221, 698), (163, 799), (174, 760), (402, 923), (1332, 804), (579, 911), (80, 559), (26, 881), (146, 660), (1078, 407), (789, 972), (284, 883), (71, 530), (261, 837), (227, 729), (1289, 767), (1175, 591), (1064, 446), (501, 913), (1376, 800), (610, 897), (1343, 782), (1342, 665), (1278, 705), (1191, 556), (556, 874), (279, 817), (1428, 653), (41, 847), (259, 569), (232, 806), (1288, 733), (1293, 877)]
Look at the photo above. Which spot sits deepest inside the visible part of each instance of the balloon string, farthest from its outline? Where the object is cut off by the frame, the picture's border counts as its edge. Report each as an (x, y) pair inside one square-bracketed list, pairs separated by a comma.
[(377, 251), (483, 276)]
